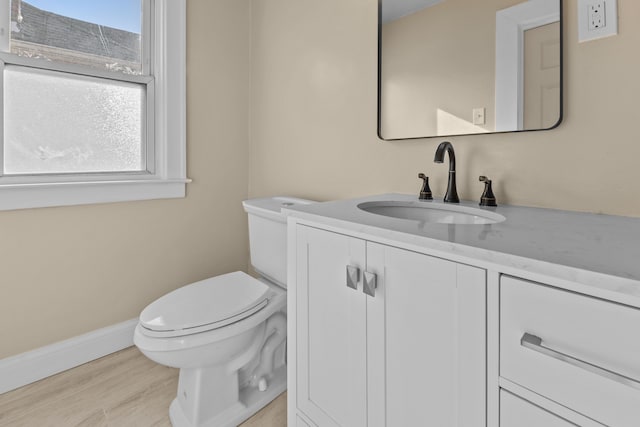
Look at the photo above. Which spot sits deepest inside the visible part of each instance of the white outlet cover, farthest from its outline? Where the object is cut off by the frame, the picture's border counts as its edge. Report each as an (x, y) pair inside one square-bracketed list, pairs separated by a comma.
[(611, 14), (597, 16)]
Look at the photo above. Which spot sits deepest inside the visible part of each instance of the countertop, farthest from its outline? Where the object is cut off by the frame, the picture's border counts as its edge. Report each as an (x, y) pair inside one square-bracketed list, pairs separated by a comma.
[(569, 245)]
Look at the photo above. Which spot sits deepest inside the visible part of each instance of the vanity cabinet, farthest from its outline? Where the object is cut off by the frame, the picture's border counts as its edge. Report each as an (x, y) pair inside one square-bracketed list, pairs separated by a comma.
[(579, 351), (528, 322), (411, 351), (517, 412)]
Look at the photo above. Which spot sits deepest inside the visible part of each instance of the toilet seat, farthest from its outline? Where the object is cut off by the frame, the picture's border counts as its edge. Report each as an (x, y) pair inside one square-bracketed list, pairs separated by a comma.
[(205, 305)]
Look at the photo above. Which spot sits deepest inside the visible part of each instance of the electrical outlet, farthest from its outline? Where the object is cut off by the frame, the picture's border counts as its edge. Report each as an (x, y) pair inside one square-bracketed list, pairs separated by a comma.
[(597, 16), (597, 19)]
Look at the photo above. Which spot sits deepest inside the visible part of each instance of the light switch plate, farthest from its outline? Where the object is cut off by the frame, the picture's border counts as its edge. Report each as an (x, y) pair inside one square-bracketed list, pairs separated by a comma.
[(604, 11), (479, 116)]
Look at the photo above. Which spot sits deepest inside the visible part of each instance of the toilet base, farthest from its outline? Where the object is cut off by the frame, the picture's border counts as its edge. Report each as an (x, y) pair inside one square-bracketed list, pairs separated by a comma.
[(251, 400)]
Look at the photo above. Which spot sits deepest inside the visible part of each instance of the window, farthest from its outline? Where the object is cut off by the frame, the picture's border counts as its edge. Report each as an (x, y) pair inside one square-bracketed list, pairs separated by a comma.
[(93, 101)]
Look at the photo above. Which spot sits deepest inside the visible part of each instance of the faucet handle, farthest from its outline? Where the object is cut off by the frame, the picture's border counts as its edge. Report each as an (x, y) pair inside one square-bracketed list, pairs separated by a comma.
[(425, 192), (487, 198)]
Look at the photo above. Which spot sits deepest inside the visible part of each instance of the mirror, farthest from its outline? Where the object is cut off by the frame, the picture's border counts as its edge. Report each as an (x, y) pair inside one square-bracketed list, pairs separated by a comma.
[(459, 67)]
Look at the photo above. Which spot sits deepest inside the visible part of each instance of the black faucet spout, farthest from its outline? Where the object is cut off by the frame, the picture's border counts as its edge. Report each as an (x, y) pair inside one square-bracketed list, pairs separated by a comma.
[(452, 193), (446, 147)]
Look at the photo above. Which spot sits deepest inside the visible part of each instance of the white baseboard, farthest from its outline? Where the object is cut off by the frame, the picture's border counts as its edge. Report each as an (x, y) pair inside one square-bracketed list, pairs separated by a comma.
[(29, 367)]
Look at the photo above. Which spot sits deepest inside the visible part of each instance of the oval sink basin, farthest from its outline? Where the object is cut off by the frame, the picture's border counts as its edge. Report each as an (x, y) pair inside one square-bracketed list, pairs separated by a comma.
[(432, 212)]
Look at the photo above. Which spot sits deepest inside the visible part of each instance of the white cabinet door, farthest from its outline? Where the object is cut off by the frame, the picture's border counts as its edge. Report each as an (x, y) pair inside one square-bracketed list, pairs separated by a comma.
[(331, 330), (412, 355), (426, 332), (517, 412)]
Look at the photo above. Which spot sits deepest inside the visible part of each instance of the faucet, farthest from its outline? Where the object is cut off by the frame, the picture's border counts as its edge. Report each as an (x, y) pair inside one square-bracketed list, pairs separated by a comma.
[(452, 194), (487, 198), (425, 192)]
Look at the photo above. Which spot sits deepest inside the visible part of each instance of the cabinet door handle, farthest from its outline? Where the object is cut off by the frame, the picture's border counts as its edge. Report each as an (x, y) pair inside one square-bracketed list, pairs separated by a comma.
[(370, 284), (534, 343), (353, 277)]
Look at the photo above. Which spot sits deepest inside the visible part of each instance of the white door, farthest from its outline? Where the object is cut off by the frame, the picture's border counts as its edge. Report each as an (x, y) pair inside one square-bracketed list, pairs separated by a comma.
[(542, 76), (426, 332), (331, 330)]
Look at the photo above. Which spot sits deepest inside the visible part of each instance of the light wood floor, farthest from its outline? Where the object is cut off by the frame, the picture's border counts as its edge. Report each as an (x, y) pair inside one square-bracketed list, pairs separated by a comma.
[(124, 389)]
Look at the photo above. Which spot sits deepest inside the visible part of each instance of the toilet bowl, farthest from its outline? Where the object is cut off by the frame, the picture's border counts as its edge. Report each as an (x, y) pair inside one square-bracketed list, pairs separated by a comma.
[(227, 333)]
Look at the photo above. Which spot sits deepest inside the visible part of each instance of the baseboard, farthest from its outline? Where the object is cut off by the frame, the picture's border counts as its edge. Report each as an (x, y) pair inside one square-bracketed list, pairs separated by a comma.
[(29, 367)]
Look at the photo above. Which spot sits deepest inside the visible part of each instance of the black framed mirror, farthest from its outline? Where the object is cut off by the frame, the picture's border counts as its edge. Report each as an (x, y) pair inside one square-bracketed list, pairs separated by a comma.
[(461, 67)]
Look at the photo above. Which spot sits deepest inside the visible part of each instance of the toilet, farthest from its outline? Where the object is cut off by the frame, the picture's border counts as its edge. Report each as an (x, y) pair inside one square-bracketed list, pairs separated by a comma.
[(227, 333)]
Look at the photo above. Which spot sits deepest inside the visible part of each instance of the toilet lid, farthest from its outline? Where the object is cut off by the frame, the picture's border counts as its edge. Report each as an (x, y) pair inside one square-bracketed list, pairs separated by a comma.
[(205, 305)]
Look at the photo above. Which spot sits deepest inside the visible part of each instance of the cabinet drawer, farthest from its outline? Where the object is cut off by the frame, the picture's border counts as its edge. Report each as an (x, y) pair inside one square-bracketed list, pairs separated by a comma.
[(581, 352), (517, 412)]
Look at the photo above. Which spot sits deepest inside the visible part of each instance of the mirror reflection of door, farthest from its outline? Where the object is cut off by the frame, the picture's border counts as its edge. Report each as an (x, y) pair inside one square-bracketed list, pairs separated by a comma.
[(455, 67), (541, 71)]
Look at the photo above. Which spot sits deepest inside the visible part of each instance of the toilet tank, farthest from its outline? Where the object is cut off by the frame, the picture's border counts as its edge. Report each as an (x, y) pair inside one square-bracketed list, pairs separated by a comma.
[(268, 235)]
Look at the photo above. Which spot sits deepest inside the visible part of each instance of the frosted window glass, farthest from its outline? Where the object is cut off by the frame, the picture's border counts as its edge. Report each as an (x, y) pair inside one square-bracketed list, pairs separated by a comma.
[(59, 123)]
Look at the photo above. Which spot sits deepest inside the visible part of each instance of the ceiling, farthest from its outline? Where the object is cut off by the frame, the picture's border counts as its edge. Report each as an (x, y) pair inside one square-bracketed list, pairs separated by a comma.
[(394, 9)]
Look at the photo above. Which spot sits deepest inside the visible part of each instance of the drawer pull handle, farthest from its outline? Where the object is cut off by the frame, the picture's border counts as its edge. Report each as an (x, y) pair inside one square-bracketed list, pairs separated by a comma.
[(534, 343)]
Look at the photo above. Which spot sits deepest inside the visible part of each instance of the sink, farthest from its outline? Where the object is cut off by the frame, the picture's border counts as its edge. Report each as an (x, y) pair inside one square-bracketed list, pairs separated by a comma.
[(432, 212)]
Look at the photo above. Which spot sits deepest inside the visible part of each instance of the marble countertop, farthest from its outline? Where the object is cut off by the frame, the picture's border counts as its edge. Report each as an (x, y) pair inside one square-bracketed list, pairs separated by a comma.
[(570, 245)]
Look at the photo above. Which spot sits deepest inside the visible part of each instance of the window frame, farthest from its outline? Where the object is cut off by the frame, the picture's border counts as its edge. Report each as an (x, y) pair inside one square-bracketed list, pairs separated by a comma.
[(164, 75)]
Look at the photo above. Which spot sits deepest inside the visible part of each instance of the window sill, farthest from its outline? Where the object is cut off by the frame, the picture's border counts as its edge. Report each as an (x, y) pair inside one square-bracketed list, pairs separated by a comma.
[(39, 195)]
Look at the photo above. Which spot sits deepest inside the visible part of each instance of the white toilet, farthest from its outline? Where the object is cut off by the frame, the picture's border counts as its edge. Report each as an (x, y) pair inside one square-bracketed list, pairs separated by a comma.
[(227, 333)]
